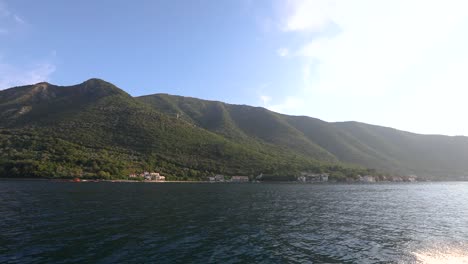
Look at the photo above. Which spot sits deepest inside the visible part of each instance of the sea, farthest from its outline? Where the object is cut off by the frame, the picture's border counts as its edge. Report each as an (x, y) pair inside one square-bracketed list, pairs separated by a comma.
[(105, 222)]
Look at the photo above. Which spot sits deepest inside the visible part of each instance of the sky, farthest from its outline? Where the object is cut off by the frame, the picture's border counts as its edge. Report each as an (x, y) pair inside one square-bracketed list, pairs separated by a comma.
[(393, 63)]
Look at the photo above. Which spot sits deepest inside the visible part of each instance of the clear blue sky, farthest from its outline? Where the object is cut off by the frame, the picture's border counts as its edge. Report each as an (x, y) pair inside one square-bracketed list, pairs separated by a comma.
[(392, 62)]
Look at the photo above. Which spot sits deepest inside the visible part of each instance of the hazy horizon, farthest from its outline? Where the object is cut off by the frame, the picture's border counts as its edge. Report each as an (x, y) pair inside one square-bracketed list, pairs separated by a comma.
[(392, 63)]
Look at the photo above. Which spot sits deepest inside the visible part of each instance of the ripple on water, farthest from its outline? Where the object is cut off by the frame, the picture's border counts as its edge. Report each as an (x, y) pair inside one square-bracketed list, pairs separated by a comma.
[(217, 223)]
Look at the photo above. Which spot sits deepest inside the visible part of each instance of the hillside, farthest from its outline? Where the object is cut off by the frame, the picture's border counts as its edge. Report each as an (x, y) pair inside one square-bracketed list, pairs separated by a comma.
[(94, 129), (385, 149)]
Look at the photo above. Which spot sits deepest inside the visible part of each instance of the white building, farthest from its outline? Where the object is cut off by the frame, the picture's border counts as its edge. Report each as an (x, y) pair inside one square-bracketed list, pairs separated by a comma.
[(153, 176), (219, 178), (312, 177), (159, 178), (239, 179), (367, 179)]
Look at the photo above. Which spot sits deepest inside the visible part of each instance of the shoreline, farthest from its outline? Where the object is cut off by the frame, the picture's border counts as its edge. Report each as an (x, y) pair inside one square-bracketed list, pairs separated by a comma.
[(204, 182)]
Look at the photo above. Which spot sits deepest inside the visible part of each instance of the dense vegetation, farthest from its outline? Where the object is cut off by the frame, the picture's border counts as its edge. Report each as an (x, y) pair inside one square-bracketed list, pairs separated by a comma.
[(385, 149), (95, 130)]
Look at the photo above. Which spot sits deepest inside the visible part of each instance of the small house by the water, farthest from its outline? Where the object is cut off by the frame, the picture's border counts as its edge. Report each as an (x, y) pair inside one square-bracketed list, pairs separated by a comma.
[(216, 178), (412, 178), (367, 179), (312, 177), (160, 178), (324, 177), (219, 178), (239, 179), (397, 179), (149, 176)]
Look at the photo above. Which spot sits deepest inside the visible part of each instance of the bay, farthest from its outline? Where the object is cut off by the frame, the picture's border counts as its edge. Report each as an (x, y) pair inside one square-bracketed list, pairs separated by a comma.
[(104, 222)]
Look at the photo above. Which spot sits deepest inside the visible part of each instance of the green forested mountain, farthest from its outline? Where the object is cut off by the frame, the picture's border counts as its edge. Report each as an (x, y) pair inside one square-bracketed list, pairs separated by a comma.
[(94, 129), (385, 149)]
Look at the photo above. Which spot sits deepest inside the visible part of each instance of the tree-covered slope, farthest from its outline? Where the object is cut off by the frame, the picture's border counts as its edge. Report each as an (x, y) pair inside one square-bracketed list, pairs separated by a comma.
[(385, 149), (241, 123), (95, 129), (436, 155)]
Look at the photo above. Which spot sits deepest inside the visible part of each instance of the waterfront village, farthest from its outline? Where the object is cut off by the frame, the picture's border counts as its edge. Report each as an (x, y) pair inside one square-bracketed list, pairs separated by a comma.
[(221, 178), (307, 177), (304, 177), (323, 177), (148, 176)]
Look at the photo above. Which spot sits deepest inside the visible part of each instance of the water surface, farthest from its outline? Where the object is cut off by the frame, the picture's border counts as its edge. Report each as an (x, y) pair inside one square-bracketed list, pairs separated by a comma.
[(43, 221)]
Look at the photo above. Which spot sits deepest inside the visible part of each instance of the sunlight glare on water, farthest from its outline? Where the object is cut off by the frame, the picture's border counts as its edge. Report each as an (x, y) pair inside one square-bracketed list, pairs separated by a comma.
[(442, 255)]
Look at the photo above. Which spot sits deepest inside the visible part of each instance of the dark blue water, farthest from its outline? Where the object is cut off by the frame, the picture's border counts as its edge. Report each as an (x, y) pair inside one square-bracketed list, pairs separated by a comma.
[(59, 222)]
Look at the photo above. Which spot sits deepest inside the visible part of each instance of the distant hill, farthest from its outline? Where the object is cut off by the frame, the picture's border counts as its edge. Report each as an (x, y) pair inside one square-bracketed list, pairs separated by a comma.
[(96, 130), (385, 149)]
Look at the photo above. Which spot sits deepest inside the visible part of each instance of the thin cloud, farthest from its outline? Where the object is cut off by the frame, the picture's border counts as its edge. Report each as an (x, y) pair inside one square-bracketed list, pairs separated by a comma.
[(18, 19), (9, 21), (11, 75), (306, 15), (282, 52), (374, 61), (265, 99)]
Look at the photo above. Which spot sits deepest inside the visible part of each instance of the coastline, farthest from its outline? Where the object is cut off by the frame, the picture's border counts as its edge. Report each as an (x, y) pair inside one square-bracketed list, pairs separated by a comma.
[(226, 182)]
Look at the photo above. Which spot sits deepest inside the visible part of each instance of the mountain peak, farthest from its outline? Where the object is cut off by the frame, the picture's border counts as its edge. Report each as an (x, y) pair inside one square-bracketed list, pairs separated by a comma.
[(98, 87), (42, 84), (43, 92), (94, 81)]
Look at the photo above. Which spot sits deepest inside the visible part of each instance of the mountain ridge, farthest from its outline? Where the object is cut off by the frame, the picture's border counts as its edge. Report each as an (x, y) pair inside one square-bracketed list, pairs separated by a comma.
[(332, 122), (365, 151), (106, 132)]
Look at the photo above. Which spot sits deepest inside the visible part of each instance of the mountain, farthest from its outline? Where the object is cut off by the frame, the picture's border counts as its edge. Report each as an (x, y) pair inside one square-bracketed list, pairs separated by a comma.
[(385, 149), (96, 130)]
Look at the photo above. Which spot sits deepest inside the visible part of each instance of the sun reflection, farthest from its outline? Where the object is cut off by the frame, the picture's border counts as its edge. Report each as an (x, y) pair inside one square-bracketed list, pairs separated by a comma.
[(445, 256)]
